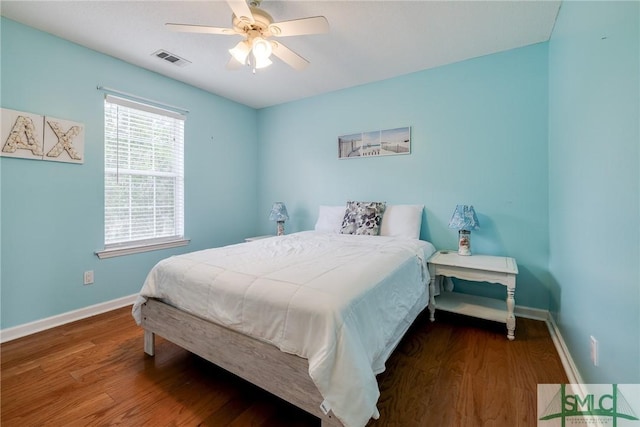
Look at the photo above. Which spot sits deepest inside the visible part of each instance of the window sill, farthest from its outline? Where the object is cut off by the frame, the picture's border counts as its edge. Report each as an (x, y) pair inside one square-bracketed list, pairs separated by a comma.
[(128, 250)]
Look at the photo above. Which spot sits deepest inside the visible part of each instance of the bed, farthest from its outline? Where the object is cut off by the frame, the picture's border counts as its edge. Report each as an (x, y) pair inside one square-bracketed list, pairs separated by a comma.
[(310, 317)]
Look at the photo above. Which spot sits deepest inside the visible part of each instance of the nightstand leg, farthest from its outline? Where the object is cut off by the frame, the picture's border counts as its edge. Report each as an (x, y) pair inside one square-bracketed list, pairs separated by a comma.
[(511, 318), (432, 298)]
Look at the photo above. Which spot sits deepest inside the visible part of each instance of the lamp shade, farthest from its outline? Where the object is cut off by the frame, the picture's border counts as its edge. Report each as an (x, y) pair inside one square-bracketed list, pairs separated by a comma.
[(241, 51), (278, 212), (464, 218), (262, 62)]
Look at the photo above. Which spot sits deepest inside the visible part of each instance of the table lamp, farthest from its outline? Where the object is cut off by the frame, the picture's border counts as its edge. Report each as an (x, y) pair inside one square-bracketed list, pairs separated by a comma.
[(464, 219), (279, 214)]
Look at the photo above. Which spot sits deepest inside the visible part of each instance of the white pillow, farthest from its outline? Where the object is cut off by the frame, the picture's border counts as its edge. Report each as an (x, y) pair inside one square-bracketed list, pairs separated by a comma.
[(402, 221), (330, 218)]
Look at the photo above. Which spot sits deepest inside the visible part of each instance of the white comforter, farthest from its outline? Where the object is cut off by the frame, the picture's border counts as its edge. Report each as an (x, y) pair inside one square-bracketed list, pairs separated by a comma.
[(341, 301)]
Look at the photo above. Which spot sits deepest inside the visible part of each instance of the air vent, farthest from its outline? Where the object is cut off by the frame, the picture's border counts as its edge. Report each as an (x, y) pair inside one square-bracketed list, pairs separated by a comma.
[(170, 57)]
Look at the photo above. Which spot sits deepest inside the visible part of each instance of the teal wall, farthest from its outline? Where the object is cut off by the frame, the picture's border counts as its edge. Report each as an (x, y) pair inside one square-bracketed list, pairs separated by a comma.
[(479, 136), (52, 213), (542, 140), (594, 179)]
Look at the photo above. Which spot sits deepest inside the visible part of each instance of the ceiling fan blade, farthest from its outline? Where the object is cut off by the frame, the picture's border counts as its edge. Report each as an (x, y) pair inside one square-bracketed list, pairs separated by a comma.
[(241, 10), (188, 28), (288, 56), (296, 27)]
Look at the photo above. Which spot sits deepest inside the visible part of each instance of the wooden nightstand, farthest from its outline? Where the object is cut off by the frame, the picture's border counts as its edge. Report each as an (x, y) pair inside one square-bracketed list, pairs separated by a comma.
[(477, 268)]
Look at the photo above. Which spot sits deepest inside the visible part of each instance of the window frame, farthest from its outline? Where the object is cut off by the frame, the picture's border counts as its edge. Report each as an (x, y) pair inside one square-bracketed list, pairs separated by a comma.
[(127, 247)]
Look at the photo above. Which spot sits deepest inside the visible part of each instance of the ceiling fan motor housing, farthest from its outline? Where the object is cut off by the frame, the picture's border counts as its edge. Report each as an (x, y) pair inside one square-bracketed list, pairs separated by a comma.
[(260, 27)]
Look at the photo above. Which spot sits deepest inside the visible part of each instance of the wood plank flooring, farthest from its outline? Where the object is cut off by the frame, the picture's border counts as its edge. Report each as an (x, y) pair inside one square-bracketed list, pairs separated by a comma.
[(457, 371)]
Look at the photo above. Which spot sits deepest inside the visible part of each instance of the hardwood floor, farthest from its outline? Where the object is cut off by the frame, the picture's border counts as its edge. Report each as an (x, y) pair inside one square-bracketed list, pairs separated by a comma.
[(457, 371)]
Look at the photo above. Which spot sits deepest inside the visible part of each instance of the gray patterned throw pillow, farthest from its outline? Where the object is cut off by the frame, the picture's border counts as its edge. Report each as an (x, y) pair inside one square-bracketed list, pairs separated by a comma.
[(363, 218)]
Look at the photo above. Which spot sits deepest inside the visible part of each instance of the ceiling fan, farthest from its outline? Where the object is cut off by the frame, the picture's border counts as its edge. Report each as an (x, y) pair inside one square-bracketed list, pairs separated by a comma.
[(257, 28)]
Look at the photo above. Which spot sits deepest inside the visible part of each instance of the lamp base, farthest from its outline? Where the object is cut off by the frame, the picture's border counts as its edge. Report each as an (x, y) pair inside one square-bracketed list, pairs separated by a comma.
[(464, 242), (280, 229)]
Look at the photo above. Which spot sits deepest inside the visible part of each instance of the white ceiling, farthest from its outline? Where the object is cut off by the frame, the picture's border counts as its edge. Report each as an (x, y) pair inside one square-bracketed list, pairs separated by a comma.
[(368, 40)]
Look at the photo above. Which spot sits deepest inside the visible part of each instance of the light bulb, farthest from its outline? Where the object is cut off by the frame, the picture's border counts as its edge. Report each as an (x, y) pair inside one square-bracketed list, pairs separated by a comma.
[(261, 48)]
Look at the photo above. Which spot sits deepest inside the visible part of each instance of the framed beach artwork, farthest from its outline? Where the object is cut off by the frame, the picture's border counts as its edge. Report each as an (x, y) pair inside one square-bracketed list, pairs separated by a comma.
[(389, 142)]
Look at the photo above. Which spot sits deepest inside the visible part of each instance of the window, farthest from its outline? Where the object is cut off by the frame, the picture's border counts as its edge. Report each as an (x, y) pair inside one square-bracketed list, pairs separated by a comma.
[(143, 177)]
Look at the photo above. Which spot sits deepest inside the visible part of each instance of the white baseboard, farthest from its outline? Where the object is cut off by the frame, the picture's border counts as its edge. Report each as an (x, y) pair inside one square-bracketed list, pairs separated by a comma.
[(531, 313), (561, 347), (20, 331)]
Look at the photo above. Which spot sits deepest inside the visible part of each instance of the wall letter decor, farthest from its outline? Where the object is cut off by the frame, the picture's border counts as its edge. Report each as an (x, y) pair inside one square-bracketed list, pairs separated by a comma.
[(63, 140), (21, 135), (32, 136)]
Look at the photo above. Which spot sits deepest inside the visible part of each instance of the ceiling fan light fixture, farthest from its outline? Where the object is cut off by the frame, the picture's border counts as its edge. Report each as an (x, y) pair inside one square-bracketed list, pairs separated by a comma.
[(240, 52), (256, 27), (262, 63), (261, 49)]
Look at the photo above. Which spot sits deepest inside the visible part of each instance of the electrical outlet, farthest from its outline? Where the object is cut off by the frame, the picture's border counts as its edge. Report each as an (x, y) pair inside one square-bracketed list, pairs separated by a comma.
[(88, 277), (594, 350)]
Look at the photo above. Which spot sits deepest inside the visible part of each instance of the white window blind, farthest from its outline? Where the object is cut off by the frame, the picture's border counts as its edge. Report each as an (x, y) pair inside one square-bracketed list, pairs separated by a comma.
[(144, 174)]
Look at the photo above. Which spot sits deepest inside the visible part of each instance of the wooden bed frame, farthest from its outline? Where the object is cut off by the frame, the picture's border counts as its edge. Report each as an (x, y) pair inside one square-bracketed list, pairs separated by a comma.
[(282, 374)]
